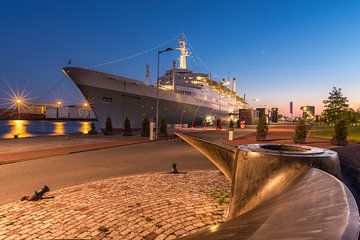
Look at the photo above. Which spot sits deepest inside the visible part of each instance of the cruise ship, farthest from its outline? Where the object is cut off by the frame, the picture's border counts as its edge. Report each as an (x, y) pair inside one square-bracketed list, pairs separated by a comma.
[(186, 98)]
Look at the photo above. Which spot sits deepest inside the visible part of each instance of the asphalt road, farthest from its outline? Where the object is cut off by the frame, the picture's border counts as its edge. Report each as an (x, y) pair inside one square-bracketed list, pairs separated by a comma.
[(58, 172)]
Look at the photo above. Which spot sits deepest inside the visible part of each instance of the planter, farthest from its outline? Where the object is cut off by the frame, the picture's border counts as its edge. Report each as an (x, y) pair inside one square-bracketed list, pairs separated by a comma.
[(107, 133), (127, 133), (92, 132), (299, 140), (163, 134), (339, 142), (260, 138)]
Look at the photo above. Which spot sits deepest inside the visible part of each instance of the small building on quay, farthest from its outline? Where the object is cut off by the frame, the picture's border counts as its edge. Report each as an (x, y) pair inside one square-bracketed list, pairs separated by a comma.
[(38, 111), (72, 112)]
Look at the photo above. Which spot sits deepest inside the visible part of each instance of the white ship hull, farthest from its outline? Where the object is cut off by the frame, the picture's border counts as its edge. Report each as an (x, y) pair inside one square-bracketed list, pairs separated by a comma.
[(120, 98)]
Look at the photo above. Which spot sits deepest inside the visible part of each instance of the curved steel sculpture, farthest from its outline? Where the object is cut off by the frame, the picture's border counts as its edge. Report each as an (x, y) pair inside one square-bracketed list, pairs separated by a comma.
[(281, 191)]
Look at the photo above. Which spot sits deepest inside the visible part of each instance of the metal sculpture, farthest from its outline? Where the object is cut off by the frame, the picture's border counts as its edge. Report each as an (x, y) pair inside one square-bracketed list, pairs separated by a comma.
[(262, 174)]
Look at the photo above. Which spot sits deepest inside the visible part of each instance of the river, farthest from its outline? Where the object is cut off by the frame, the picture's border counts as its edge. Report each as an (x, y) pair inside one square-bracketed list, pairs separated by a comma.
[(28, 128)]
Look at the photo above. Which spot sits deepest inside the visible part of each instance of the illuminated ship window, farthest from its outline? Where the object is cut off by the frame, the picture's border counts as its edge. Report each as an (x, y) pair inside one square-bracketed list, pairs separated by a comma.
[(107, 99)]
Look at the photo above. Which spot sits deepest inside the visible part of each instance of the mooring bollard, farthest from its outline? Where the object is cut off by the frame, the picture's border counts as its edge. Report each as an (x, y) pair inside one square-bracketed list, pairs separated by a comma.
[(231, 135), (152, 135)]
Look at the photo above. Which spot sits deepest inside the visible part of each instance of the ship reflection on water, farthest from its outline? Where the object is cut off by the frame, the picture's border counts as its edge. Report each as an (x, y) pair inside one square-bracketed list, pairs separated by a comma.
[(26, 128)]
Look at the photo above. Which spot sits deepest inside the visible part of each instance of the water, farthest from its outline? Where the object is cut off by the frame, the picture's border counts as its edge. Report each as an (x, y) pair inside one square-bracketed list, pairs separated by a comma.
[(27, 128)]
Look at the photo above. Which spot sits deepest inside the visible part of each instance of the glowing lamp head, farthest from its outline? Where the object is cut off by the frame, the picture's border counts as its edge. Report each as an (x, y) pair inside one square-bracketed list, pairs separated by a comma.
[(18, 101), (59, 103), (86, 104)]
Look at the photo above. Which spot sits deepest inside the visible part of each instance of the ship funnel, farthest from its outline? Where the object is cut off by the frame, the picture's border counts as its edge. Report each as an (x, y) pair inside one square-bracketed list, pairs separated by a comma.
[(234, 85)]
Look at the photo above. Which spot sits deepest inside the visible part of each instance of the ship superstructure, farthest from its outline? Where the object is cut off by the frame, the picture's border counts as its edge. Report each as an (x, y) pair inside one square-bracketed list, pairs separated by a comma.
[(186, 98)]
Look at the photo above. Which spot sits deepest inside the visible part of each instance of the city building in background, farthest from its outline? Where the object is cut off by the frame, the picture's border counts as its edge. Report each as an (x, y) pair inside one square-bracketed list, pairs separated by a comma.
[(308, 112), (274, 114)]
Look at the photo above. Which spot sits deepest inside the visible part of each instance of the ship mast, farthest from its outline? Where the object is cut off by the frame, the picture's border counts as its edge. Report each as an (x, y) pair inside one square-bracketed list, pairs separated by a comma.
[(184, 52)]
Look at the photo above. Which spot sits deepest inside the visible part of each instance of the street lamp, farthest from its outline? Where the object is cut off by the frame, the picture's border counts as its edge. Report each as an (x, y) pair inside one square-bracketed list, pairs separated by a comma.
[(223, 83), (57, 109), (157, 92), (87, 107), (18, 103)]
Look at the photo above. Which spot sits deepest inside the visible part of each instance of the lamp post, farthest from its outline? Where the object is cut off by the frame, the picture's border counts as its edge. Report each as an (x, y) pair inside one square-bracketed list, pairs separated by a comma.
[(18, 102), (87, 107), (223, 83), (157, 92), (57, 109)]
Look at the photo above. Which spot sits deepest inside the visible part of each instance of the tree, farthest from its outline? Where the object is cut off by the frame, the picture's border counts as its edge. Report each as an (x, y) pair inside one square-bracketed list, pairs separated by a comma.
[(351, 116), (127, 128), (145, 131), (93, 129), (238, 123), (163, 128), (108, 127), (218, 124), (231, 124), (261, 129), (341, 132), (335, 106), (300, 132)]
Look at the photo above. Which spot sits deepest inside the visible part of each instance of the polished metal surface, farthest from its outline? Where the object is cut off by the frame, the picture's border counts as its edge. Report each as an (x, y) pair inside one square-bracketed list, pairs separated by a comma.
[(281, 191)]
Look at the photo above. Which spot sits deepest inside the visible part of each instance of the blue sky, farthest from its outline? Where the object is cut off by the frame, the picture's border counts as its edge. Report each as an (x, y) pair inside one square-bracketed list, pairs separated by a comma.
[(277, 50)]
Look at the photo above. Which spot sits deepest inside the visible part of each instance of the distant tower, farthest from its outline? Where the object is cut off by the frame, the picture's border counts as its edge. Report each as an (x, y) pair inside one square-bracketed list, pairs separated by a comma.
[(234, 85), (173, 75), (147, 74), (184, 52)]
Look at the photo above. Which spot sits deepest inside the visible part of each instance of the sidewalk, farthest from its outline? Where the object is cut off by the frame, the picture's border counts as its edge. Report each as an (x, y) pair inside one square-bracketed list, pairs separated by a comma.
[(16, 150), (280, 134), (150, 206)]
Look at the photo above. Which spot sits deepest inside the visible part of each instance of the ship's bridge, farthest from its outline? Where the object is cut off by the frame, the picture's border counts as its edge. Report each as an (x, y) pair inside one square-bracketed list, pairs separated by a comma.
[(184, 78)]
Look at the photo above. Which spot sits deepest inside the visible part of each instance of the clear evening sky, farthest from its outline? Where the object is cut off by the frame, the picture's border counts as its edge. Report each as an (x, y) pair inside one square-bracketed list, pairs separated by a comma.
[(277, 50)]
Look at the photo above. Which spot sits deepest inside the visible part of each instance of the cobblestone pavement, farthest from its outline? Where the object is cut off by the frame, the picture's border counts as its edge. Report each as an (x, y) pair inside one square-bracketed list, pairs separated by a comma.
[(150, 206)]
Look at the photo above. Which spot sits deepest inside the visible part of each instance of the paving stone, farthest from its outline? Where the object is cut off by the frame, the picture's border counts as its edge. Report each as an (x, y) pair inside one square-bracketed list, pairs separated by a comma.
[(151, 206)]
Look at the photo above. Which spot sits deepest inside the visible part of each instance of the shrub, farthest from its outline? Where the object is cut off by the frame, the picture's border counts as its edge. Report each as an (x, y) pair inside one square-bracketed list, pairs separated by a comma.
[(261, 129), (341, 132), (300, 132), (93, 128), (127, 128), (108, 127), (231, 124), (163, 128), (218, 124), (145, 132)]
